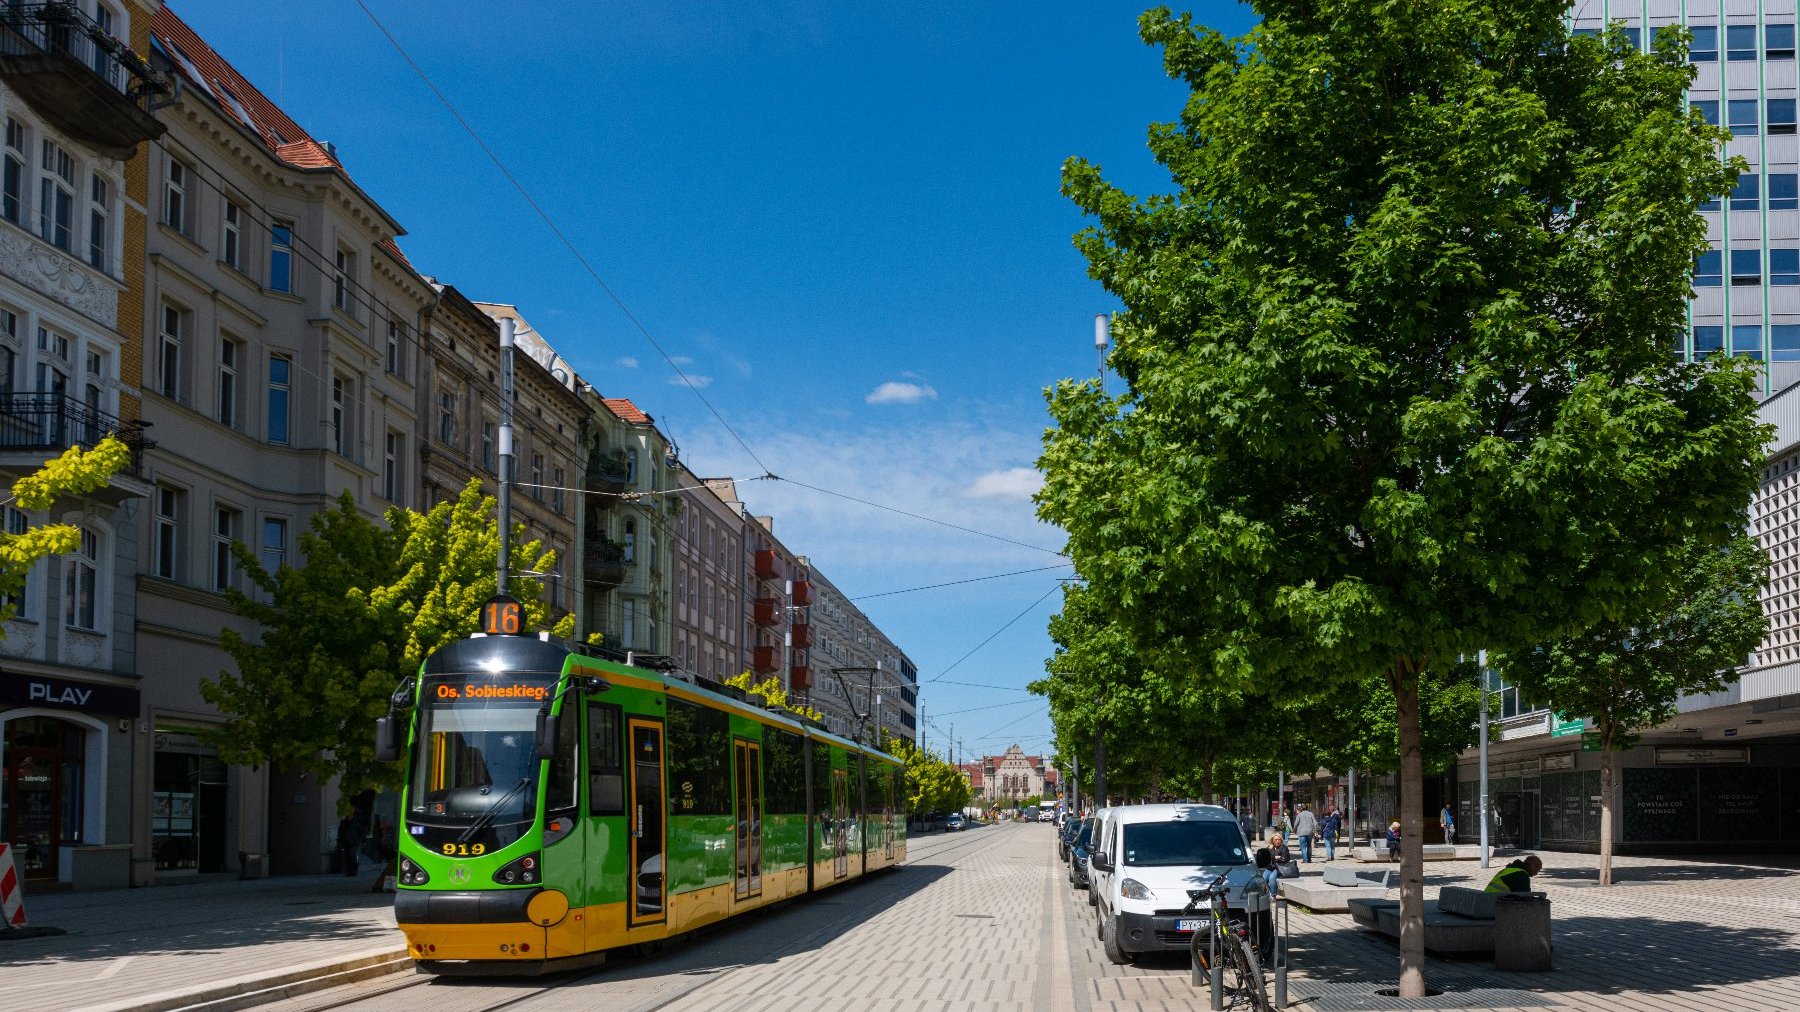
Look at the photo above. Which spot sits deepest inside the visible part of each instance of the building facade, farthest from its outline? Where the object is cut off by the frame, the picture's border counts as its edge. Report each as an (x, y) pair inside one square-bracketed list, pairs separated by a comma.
[(628, 566), (857, 665), (776, 597), (708, 555), (1014, 776), (79, 109)]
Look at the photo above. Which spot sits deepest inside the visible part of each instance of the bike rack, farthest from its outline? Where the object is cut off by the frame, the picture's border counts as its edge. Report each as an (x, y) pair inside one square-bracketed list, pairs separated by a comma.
[(1281, 951)]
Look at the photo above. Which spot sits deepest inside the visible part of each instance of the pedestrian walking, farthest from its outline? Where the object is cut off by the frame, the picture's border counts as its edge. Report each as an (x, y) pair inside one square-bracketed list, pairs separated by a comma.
[(349, 841), (1393, 840), (1447, 820), (1328, 827), (1305, 825)]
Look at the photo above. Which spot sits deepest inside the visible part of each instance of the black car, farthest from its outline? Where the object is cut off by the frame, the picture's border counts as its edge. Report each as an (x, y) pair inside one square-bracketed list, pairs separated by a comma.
[(1065, 837), (1078, 854)]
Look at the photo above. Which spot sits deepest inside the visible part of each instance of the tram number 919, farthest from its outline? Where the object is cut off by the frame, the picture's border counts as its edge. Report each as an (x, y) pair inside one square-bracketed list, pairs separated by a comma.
[(454, 849)]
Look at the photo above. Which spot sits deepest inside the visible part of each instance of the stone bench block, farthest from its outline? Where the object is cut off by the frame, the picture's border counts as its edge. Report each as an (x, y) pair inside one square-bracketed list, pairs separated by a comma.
[(1446, 933), (1328, 899), (1366, 912)]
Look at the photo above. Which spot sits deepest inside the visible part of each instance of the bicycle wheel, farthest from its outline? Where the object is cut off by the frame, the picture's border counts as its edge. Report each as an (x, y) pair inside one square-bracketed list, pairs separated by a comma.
[(1243, 972)]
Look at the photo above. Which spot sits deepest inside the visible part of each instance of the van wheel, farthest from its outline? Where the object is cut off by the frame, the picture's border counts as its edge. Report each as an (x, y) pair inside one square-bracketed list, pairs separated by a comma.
[(1109, 941)]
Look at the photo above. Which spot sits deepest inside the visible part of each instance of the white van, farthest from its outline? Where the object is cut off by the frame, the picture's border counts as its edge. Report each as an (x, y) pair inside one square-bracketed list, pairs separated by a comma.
[(1145, 859)]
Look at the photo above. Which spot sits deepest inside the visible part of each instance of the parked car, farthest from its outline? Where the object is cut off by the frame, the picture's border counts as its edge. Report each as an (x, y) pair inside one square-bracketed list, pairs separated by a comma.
[(1078, 853), (953, 823), (1065, 836), (1144, 862)]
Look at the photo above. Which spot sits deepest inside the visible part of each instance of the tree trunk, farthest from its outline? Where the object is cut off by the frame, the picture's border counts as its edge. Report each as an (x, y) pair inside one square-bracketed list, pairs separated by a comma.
[(1405, 679), (1606, 804)]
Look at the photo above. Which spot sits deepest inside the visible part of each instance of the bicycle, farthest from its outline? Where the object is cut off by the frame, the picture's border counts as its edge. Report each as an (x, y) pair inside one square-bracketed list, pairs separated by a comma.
[(1242, 970)]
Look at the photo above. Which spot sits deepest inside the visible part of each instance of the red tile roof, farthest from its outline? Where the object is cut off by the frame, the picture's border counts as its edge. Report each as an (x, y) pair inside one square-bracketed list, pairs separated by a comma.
[(393, 249), (236, 96), (626, 410)]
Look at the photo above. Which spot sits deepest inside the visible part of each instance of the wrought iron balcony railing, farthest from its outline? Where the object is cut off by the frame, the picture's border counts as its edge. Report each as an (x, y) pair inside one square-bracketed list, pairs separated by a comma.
[(74, 69), (51, 423)]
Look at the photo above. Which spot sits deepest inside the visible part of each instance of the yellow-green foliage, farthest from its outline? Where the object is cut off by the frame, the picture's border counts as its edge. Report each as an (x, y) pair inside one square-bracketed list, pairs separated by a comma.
[(76, 472), (769, 690)]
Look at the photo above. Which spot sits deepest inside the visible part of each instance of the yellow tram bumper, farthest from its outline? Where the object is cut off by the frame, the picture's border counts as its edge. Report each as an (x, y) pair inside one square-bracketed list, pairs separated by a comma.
[(514, 925)]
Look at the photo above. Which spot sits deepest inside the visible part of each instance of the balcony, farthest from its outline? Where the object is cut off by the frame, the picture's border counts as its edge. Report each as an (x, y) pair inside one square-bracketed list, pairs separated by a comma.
[(765, 659), (766, 611), (768, 567), (608, 476), (802, 593), (802, 634), (603, 563), (799, 678), (76, 73), (36, 427)]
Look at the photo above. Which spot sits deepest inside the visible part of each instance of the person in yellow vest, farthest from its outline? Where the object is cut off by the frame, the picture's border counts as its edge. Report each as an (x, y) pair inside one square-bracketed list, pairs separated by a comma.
[(1516, 877)]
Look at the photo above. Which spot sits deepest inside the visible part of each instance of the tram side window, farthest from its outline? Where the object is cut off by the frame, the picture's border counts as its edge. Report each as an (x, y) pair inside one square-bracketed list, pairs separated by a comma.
[(784, 773), (699, 760), (559, 794), (821, 783), (606, 759)]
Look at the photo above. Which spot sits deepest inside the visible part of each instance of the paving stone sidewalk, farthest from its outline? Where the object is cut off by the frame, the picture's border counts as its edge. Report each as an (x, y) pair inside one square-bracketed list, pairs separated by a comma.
[(155, 947)]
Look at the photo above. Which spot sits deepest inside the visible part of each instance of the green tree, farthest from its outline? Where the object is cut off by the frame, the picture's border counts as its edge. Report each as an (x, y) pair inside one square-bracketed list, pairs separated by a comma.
[(1397, 354), (932, 785), (336, 635), (1628, 674), (769, 690), (76, 472)]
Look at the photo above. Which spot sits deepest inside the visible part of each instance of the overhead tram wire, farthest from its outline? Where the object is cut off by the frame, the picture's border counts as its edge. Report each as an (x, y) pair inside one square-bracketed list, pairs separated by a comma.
[(1009, 622), (920, 516), (555, 229), (958, 583)]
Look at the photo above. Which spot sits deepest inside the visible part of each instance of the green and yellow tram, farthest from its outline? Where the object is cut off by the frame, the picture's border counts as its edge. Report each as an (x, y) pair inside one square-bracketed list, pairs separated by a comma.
[(559, 805)]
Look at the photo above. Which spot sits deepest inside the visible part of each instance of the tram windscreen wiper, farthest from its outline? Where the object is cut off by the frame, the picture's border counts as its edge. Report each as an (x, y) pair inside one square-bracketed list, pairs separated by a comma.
[(481, 822)]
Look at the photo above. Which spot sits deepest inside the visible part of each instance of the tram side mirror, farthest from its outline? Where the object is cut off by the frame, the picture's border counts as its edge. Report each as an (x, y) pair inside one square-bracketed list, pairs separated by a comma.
[(547, 727), (387, 739)]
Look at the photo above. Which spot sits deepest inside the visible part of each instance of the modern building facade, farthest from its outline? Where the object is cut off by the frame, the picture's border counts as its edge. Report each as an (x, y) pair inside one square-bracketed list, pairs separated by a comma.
[(79, 111)]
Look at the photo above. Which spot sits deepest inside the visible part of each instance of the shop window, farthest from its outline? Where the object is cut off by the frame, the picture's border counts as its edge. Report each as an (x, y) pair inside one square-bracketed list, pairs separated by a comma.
[(44, 780)]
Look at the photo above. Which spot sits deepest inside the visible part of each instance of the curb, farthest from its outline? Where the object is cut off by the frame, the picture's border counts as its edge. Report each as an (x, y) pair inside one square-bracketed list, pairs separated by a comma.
[(262, 988)]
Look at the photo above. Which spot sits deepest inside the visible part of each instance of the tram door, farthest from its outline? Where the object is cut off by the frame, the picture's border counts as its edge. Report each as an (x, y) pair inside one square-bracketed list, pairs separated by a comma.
[(749, 818), (840, 823), (887, 808), (648, 819)]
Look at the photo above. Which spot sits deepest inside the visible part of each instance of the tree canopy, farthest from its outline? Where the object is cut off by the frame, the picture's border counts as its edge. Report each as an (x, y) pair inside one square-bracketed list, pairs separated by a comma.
[(76, 472), (1397, 347)]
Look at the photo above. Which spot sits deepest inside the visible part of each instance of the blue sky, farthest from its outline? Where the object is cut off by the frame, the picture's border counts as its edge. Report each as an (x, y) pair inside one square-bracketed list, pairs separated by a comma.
[(842, 220)]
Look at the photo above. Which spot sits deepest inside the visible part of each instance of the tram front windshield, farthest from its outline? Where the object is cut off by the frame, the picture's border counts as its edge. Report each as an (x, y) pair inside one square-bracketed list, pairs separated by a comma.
[(476, 757)]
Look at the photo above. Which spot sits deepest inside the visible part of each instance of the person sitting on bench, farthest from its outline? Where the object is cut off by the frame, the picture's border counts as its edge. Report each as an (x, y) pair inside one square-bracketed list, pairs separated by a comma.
[(1516, 877)]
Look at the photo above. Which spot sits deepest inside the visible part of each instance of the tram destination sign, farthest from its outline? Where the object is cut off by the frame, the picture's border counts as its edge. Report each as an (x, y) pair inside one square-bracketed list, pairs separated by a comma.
[(63, 694)]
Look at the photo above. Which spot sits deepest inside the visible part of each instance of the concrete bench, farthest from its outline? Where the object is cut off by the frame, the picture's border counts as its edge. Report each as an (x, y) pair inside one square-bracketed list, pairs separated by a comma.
[(1340, 885), (1461, 922), (1432, 852)]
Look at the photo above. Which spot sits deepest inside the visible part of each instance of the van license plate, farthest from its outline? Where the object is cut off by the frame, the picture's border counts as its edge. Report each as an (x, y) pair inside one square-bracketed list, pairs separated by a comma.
[(1188, 924)]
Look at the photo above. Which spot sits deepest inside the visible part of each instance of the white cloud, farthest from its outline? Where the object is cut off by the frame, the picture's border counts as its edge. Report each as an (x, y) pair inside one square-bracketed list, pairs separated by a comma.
[(682, 360), (697, 382), (901, 393), (1012, 483), (627, 363)]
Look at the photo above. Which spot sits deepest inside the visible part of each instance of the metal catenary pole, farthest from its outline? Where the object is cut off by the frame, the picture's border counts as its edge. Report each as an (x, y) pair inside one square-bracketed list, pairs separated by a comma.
[(506, 451), (1481, 812)]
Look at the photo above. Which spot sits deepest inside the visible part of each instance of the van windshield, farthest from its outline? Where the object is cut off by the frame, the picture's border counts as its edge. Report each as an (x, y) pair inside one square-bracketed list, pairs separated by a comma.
[(1161, 844)]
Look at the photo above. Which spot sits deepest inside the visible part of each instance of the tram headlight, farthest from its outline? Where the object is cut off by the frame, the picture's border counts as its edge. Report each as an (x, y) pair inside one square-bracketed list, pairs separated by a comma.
[(521, 871), (411, 874)]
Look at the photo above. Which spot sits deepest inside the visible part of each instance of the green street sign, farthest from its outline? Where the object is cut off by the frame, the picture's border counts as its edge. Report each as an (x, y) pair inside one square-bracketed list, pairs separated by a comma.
[(1590, 741), (1560, 727)]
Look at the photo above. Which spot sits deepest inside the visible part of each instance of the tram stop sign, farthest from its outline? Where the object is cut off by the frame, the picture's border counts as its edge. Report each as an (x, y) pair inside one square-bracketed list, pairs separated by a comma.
[(501, 615)]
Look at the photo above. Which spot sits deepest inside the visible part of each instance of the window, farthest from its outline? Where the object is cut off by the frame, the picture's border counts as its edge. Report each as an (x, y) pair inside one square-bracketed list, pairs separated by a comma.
[(279, 388), (99, 370), (168, 354), (12, 175), (1745, 196), (340, 403), (487, 443), (230, 249), (167, 540), (1705, 48), (1708, 269), (396, 337), (340, 280), (1746, 266), (81, 577), (56, 193), (537, 476), (1708, 108), (699, 752), (390, 470), (1781, 116), (1740, 42), (1784, 267), (784, 773), (606, 759), (631, 468), (175, 196), (1784, 191), (17, 523), (1784, 342), (1747, 339), (446, 417), (226, 522), (9, 351), (229, 350), (1742, 113), (1708, 340), (1778, 42), (99, 221), (556, 493), (281, 257), (1634, 37), (274, 544), (630, 540)]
